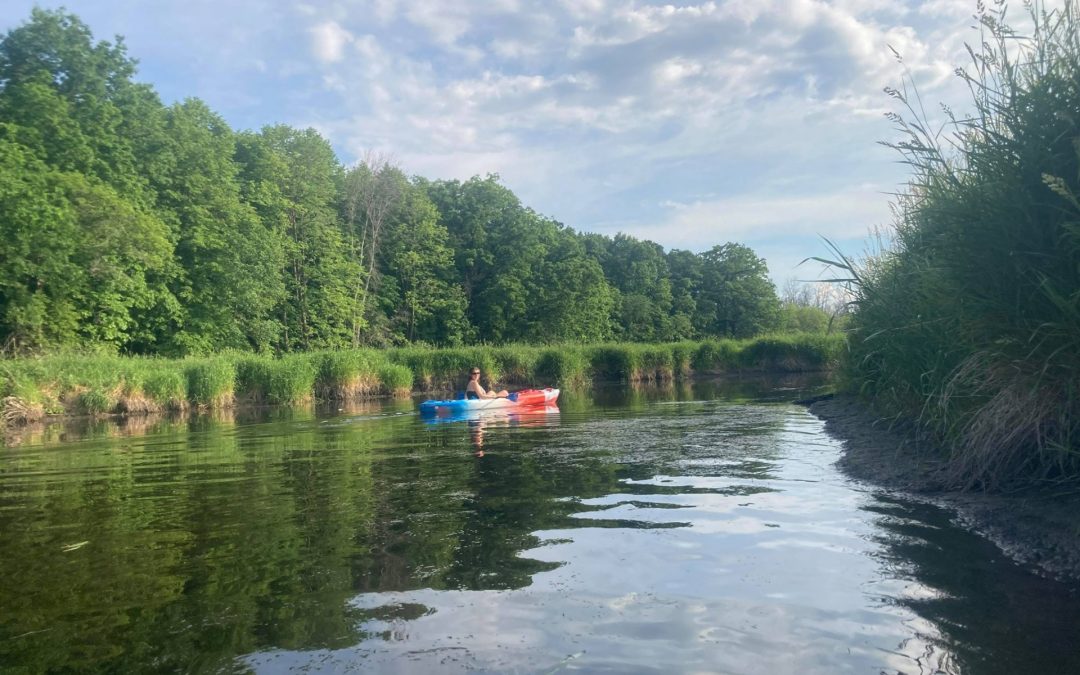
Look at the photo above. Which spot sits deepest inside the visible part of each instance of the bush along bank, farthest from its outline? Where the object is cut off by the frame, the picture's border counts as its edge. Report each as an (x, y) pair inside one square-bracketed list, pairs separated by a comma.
[(96, 384), (969, 323)]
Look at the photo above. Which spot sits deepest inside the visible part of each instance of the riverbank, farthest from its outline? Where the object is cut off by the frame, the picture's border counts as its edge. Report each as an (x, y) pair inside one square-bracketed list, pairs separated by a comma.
[(69, 384), (1035, 527)]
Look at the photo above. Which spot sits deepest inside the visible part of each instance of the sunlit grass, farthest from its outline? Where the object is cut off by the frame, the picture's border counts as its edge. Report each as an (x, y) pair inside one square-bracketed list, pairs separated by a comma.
[(97, 384)]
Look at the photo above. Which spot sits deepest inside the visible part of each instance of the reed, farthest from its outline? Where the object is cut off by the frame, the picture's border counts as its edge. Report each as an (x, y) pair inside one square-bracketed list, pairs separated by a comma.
[(655, 363), (421, 363), (793, 353), (292, 380), (682, 358), (167, 387), (716, 356), (619, 362), (97, 384), (287, 380), (348, 374), (565, 366), (516, 363), (395, 380), (96, 402), (211, 382), (968, 322)]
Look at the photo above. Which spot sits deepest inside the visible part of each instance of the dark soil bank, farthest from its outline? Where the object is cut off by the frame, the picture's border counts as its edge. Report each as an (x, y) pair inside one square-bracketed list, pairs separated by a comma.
[(1039, 528)]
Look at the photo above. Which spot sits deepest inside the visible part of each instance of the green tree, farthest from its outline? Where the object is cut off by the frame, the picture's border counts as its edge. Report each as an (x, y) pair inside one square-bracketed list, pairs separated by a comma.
[(498, 245), (571, 300), (419, 293), (231, 262), (78, 259), (736, 297), (292, 178), (638, 269), (76, 99), (686, 277)]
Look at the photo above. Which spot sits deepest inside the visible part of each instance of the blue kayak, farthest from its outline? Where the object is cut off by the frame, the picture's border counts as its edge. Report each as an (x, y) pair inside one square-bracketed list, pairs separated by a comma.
[(519, 399)]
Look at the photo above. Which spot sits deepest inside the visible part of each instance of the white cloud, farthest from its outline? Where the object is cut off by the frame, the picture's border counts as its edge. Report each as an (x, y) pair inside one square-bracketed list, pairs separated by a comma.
[(596, 111), (328, 41), (843, 214)]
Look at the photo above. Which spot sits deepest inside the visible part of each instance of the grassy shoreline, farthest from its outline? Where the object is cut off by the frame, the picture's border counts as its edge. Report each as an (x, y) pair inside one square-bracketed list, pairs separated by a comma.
[(85, 384)]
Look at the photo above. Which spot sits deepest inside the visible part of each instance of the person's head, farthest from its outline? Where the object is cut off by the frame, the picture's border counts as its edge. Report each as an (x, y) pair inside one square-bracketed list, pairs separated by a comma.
[(474, 373)]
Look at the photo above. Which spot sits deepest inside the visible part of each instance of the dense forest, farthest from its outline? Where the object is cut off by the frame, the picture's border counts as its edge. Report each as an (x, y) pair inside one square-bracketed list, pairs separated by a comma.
[(157, 229)]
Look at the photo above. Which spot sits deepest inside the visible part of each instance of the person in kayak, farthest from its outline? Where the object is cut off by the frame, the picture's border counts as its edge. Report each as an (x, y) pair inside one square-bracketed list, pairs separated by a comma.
[(474, 390)]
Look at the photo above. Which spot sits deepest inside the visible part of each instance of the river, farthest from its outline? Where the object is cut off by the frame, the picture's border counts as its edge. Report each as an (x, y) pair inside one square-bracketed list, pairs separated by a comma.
[(685, 529)]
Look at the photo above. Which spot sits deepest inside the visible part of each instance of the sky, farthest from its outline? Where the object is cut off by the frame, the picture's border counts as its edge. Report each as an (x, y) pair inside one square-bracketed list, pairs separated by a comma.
[(691, 125)]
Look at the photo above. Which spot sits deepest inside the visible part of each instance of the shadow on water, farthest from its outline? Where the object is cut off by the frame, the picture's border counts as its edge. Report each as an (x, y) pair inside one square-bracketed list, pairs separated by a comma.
[(677, 527), (987, 614)]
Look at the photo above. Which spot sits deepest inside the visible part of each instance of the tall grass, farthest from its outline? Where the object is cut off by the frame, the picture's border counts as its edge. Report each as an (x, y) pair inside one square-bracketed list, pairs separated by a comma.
[(564, 366), (290, 379), (969, 321), (211, 382), (105, 383), (395, 380), (347, 374)]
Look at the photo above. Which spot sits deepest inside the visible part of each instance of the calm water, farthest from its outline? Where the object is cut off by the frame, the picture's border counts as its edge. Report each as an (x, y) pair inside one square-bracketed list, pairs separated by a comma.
[(692, 530)]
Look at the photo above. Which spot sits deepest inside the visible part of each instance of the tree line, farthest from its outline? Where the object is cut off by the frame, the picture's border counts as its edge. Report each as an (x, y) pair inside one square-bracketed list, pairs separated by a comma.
[(158, 229)]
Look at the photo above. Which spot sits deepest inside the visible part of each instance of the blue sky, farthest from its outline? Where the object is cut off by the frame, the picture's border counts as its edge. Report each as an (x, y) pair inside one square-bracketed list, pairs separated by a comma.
[(754, 121)]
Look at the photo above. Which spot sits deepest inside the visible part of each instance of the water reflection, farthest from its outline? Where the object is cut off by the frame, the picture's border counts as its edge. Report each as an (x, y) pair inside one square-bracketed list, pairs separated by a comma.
[(477, 421), (666, 529)]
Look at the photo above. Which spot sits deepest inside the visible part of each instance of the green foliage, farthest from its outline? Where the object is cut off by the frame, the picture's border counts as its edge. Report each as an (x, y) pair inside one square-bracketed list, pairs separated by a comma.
[(253, 375), (639, 270), (295, 175), (682, 356), (565, 366), (158, 230), (656, 362), (292, 379), (799, 319), (80, 259), (614, 362), (736, 297), (347, 374), (793, 352), (230, 282), (210, 382), (263, 379), (515, 363), (970, 322), (395, 379), (96, 402), (102, 382), (420, 361), (167, 387), (716, 355)]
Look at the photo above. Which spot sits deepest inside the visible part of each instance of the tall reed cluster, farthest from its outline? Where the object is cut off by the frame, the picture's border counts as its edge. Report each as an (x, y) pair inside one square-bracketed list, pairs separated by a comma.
[(969, 321), (73, 383)]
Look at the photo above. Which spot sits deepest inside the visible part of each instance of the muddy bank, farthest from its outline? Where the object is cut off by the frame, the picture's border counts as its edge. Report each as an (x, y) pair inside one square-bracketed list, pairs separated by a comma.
[(1040, 528)]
